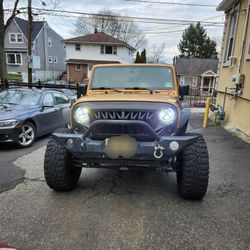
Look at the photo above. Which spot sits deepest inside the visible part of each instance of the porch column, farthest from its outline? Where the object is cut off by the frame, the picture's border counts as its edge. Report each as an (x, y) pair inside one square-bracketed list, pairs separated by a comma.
[(202, 82), (214, 80), (209, 86)]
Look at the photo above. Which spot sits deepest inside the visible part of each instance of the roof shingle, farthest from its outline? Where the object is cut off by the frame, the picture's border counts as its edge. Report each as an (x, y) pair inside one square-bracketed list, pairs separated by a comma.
[(195, 66), (23, 25), (98, 37)]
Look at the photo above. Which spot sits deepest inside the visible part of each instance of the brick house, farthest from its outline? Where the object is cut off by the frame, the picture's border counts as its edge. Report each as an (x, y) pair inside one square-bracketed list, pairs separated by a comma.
[(99, 48)]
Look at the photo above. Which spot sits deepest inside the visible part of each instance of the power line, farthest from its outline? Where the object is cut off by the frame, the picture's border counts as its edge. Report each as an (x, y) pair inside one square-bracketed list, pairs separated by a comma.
[(126, 18), (172, 3), (176, 26)]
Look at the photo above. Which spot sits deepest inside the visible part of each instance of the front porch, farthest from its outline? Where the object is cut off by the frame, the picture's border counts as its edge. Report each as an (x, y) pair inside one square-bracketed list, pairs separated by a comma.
[(208, 80)]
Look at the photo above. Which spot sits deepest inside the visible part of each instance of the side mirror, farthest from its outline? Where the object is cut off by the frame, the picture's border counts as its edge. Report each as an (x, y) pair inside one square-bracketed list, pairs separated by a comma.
[(183, 90), (48, 105), (81, 89)]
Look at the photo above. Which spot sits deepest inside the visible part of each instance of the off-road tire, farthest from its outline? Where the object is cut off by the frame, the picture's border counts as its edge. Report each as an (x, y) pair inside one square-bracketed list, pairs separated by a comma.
[(59, 170), (192, 175)]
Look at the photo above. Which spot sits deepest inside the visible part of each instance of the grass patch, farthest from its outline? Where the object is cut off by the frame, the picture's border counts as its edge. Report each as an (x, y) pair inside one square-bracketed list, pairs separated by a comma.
[(13, 76)]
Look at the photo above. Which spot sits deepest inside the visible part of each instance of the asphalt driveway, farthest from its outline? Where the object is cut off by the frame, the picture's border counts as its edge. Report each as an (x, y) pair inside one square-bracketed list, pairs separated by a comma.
[(133, 210)]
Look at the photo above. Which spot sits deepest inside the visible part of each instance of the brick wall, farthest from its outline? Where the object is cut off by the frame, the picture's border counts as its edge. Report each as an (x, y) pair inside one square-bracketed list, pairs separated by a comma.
[(76, 75)]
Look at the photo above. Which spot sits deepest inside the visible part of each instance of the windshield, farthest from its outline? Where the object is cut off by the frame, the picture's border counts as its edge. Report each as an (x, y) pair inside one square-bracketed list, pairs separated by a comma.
[(68, 92), (19, 97), (133, 77)]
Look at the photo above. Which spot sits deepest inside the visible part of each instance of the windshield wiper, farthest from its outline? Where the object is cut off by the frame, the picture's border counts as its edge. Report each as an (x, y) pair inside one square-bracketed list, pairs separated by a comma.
[(138, 88), (104, 88)]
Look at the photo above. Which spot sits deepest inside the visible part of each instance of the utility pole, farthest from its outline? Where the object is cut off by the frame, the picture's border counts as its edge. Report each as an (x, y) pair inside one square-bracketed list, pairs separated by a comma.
[(29, 44)]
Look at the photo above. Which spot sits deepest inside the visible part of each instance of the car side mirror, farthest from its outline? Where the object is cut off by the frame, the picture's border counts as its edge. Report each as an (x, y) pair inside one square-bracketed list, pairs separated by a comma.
[(183, 90), (81, 90), (48, 105)]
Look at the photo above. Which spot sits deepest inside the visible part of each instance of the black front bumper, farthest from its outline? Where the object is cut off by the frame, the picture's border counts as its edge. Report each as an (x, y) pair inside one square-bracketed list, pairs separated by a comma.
[(89, 149), (9, 135), (156, 151)]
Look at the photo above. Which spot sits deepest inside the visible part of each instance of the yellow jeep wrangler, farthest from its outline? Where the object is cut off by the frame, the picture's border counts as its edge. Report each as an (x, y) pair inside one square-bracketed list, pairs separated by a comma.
[(130, 118)]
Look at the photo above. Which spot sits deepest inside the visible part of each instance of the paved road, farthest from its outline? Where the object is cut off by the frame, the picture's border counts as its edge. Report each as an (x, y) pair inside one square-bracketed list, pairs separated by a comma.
[(131, 210), (9, 173)]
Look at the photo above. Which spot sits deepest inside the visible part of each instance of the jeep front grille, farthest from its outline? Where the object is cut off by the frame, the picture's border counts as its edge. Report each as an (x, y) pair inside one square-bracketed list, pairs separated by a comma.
[(123, 115)]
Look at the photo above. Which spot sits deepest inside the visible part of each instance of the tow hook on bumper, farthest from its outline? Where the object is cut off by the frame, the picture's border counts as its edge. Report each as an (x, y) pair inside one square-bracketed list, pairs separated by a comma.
[(158, 151)]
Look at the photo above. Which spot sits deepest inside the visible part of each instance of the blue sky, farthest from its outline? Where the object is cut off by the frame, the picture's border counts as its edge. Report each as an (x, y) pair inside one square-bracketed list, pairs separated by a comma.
[(66, 25)]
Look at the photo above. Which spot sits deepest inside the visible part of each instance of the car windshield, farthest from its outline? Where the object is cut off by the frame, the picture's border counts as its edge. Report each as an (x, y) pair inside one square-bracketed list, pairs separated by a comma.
[(18, 97), (133, 77), (68, 92)]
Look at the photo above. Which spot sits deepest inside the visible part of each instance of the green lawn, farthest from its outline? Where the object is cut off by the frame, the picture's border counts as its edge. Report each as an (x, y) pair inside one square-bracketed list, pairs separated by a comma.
[(16, 77)]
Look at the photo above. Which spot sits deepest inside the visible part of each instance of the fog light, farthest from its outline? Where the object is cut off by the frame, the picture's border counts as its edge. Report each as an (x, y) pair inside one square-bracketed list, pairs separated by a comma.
[(174, 145), (69, 142)]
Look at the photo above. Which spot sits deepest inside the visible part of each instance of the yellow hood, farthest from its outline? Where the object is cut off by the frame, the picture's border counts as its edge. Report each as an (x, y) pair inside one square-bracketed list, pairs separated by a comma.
[(122, 97)]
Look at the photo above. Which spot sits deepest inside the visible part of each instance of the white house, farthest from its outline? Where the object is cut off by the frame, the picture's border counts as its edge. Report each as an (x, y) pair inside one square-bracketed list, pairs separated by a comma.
[(99, 48)]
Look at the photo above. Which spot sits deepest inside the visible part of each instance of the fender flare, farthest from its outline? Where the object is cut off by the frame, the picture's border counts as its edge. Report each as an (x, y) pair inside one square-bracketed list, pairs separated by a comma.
[(185, 114)]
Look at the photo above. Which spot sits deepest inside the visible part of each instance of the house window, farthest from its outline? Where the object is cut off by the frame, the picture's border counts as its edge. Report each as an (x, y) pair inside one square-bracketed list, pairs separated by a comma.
[(16, 38), (108, 50), (231, 35), (14, 59), (102, 49), (189, 80), (78, 47), (78, 67), (182, 80), (49, 42), (12, 38), (55, 59), (19, 38), (50, 59)]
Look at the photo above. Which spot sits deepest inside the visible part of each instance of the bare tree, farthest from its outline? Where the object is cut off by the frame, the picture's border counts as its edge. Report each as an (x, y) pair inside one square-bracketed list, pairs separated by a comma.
[(112, 24), (3, 27), (156, 53)]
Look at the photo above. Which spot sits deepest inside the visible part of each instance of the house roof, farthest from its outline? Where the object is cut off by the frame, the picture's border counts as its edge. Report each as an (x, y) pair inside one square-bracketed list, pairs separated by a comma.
[(23, 25), (195, 66), (79, 61), (98, 38), (225, 4)]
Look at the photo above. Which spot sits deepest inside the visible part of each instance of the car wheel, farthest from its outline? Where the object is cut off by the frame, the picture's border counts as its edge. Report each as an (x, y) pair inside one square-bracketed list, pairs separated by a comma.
[(61, 174), (27, 135), (192, 174)]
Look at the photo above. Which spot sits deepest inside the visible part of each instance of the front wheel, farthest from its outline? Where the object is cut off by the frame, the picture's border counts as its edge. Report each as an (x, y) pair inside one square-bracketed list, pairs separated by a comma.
[(59, 170), (192, 175), (27, 135)]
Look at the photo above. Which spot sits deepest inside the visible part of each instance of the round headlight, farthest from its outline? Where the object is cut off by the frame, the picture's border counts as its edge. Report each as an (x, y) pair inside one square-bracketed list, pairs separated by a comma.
[(81, 115), (167, 115)]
